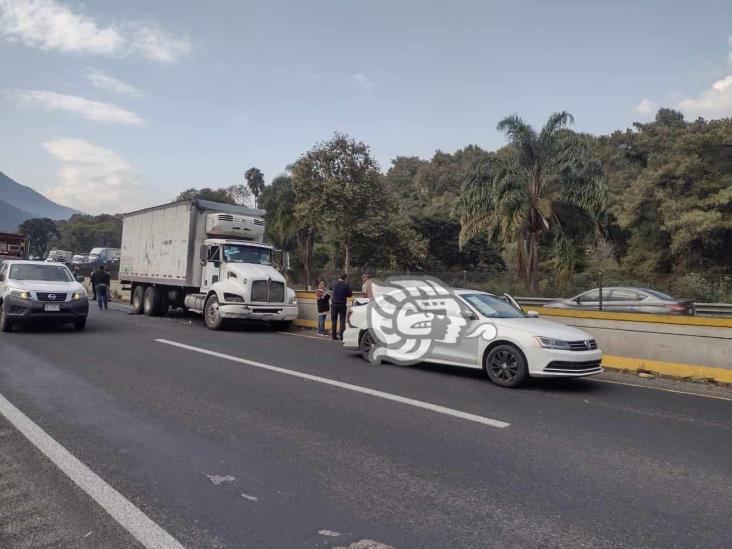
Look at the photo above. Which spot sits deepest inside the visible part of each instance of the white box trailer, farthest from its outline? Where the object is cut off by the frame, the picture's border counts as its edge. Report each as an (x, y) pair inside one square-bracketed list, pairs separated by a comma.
[(205, 257)]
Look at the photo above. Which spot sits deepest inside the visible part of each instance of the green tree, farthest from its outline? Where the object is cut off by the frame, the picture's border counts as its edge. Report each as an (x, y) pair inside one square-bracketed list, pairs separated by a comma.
[(337, 184), (255, 180), (39, 232), (530, 187), (81, 232)]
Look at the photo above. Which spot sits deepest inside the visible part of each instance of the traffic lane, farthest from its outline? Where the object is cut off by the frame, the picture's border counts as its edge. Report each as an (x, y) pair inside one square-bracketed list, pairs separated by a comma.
[(381, 428), (41, 507)]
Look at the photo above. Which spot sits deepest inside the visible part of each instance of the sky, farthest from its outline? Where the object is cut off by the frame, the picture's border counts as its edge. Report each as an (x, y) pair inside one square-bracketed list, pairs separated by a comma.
[(109, 106)]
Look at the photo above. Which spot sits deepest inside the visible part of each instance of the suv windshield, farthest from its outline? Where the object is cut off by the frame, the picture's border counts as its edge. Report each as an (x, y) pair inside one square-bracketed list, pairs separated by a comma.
[(47, 273), (492, 307), (247, 254)]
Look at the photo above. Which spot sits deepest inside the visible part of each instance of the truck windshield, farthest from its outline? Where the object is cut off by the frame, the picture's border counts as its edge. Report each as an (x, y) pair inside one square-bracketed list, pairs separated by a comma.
[(48, 273), (247, 254)]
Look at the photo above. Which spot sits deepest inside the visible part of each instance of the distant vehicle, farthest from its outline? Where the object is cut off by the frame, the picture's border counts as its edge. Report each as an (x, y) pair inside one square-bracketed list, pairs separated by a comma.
[(13, 246), (80, 259), (523, 346), (205, 257), (626, 300), (104, 255), (60, 256), (34, 290)]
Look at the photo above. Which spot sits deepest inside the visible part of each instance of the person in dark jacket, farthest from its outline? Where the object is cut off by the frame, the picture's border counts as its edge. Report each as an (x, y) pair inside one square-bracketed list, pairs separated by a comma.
[(323, 302), (101, 281), (339, 304)]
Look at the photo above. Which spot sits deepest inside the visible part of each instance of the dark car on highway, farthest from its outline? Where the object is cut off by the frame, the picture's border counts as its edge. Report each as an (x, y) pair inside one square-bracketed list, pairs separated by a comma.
[(626, 300)]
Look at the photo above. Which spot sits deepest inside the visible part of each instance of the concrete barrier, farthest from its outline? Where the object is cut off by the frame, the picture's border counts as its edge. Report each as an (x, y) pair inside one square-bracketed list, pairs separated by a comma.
[(691, 347)]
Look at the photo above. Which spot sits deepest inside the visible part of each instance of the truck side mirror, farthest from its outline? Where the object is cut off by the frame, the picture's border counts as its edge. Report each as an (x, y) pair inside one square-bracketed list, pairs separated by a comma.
[(203, 254), (2, 277)]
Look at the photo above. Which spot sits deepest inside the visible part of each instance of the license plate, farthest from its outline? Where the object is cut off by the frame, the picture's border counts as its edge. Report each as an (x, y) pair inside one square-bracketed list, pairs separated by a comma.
[(52, 308)]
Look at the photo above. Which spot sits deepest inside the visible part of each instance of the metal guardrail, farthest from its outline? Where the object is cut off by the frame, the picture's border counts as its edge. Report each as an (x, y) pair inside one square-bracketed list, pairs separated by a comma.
[(702, 309)]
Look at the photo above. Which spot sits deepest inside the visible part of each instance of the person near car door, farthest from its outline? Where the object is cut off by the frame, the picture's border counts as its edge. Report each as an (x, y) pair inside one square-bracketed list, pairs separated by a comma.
[(323, 302), (101, 281), (339, 304)]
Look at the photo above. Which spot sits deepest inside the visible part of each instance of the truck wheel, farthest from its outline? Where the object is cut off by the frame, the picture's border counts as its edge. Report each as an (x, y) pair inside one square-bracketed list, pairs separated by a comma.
[(151, 301), (212, 314), (5, 324), (138, 298)]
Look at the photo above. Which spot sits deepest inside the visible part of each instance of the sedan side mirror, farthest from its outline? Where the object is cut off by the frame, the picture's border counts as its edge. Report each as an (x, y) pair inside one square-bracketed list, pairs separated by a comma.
[(469, 315), (532, 314), (80, 279)]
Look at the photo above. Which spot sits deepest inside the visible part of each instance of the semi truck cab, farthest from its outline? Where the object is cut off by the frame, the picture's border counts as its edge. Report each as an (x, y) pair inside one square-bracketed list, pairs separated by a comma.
[(241, 276)]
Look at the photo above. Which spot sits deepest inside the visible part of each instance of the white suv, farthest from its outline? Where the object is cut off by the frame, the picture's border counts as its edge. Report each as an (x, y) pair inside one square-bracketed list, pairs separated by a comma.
[(35, 290)]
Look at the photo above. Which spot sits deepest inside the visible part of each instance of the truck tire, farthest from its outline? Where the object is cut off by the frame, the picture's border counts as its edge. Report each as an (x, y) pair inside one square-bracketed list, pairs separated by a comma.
[(5, 324), (138, 299), (151, 301), (212, 314)]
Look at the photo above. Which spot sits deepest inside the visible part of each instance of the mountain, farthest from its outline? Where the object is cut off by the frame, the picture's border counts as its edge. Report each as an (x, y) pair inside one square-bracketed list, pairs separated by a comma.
[(29, 201), (11, 217)]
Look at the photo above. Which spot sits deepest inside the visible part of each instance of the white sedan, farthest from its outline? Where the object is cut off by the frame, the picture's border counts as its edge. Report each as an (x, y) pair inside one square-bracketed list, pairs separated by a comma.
[(476, 330)]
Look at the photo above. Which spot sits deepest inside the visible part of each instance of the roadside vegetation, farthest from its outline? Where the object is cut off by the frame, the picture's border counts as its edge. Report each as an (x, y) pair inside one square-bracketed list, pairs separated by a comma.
[(550, 213)]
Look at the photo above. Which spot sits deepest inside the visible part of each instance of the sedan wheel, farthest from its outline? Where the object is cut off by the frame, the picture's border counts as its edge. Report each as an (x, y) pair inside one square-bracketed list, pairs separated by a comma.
[(506, 366), (367, 346)]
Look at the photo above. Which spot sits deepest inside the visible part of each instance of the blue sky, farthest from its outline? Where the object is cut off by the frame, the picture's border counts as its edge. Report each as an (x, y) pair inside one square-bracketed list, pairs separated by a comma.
[(109, 106)]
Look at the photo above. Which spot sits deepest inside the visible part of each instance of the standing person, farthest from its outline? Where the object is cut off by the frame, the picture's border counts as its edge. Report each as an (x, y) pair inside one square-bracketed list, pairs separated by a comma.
[(339, 304), (323, 302), (367, 285), (101, 281)]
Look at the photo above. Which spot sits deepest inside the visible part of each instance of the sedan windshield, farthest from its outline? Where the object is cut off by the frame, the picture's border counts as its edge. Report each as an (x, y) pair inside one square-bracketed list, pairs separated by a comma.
[(491, 307), (47, 273), (247, 254)]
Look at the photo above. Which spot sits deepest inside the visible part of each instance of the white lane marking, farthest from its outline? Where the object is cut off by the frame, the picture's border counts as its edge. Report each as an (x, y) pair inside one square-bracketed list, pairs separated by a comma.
[(219, 479), (137, 523), (319, 338), (250, 498), (661, 389), (356, 388), (329, 533)]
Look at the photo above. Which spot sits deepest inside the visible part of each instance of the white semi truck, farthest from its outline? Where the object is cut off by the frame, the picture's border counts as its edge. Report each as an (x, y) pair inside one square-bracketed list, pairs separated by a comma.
[(204, 257)]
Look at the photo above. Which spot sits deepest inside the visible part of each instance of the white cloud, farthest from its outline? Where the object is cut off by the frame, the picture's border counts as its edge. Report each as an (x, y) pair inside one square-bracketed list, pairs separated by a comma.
[(93, 179), (363, 81), (152, 42), (109, 83), (715, 102), (646, 107), (49, 25), (86, 108)]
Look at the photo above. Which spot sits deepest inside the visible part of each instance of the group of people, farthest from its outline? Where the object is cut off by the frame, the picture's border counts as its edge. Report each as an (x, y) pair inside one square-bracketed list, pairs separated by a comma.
[(335, 301), (101, 281)]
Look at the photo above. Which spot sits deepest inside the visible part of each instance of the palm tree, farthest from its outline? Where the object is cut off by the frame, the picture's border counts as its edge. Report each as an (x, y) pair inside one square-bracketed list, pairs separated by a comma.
[(533, 185)]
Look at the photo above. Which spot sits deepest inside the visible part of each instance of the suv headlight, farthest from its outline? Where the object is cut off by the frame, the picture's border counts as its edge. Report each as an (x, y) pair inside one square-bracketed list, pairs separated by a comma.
[(292, 300), (20, 294), (76, 296), (551, 343)]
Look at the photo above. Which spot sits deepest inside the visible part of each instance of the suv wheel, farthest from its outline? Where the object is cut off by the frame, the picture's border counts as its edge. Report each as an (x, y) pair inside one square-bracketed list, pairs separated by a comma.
[(5, 324)]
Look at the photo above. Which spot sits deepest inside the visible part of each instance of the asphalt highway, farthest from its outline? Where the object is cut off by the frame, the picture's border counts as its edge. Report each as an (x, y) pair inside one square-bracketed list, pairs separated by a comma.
[(253, 438)]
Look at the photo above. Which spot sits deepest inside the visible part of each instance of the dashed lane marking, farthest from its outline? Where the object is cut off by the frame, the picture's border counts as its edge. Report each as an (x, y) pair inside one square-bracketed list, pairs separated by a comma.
[(348, 386), (137, 523)]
